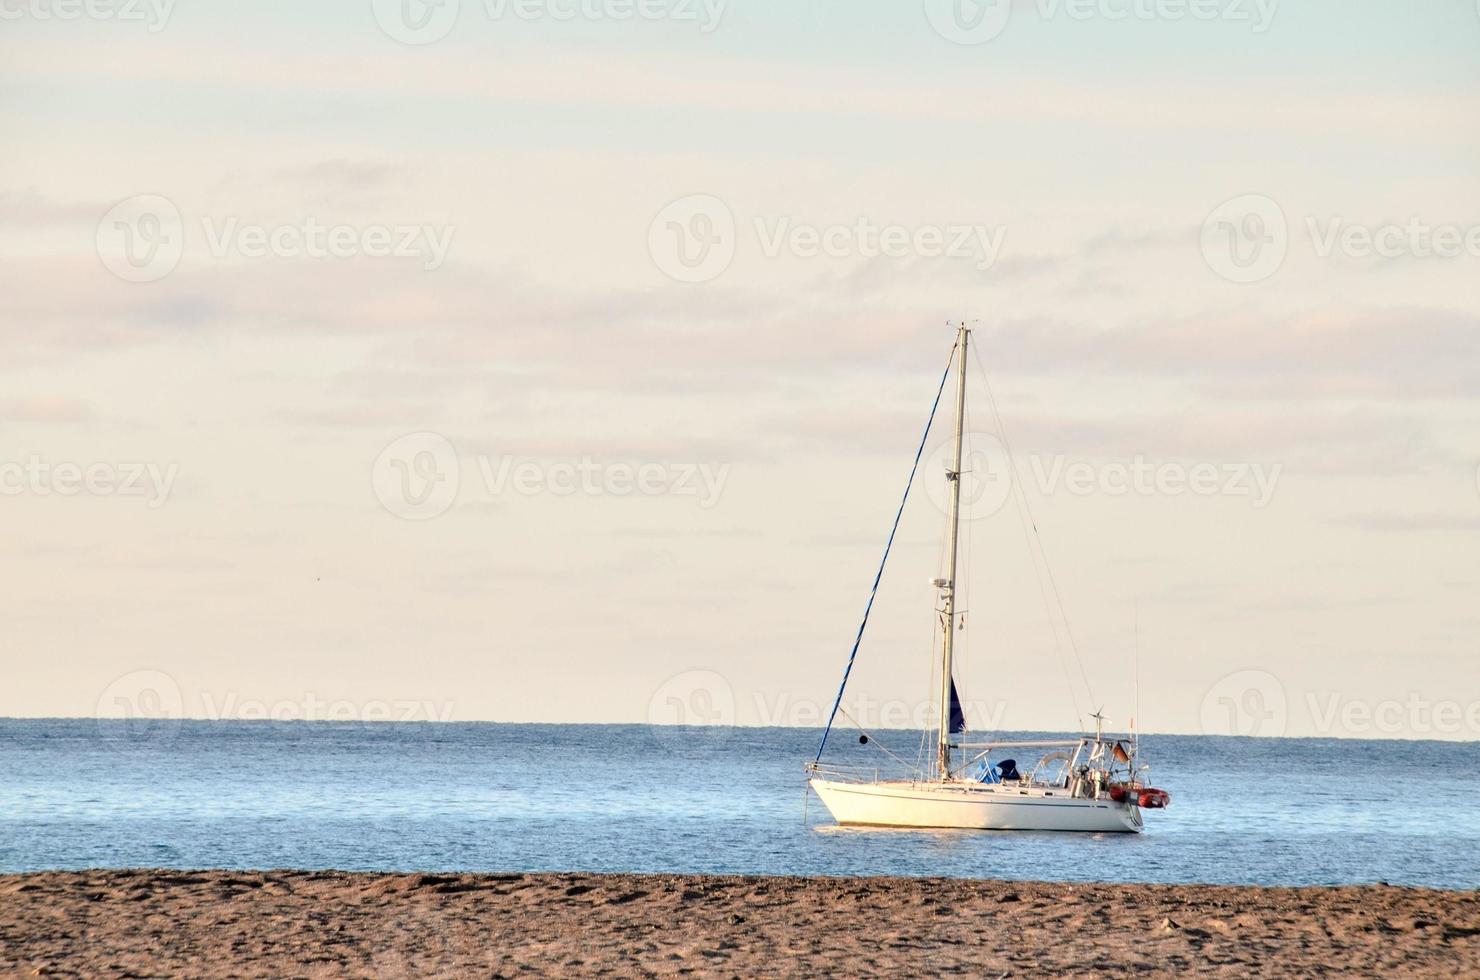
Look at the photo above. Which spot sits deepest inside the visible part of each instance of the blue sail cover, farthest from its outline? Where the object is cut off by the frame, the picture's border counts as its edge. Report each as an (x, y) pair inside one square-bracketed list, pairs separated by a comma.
[(958, 717)]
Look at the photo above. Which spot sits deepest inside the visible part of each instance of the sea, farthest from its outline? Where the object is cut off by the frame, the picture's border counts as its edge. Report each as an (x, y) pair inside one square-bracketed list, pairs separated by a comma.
[(639, 798)]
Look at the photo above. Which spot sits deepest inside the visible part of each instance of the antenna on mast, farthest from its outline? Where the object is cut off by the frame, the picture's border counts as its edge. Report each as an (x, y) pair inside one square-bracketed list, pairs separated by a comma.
[(1136, 677)]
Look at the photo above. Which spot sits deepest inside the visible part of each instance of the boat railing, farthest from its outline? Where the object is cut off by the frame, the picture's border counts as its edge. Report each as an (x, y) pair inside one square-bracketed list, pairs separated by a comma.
[(1059, 743), (847, 774)]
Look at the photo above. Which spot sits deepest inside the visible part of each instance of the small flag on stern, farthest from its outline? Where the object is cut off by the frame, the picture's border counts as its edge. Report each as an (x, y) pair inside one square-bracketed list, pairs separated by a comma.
[(1120, 753)]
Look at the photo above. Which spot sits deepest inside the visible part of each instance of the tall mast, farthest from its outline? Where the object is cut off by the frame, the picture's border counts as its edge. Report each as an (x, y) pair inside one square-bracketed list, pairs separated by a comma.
[(953, 478)]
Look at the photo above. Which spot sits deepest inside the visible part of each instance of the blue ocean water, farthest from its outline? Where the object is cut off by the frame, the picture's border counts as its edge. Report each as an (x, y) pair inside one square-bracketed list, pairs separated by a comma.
[(486, 797)]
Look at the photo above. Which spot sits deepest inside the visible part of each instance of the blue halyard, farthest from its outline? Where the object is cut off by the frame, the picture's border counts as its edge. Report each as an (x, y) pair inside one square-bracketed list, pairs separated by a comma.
[(873, 593)]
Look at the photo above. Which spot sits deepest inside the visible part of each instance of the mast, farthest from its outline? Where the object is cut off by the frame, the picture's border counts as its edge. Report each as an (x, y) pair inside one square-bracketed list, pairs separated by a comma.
[(948, 593)]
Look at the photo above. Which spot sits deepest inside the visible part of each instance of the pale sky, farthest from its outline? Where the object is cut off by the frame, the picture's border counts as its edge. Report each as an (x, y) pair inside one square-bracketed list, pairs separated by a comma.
[(1101, 187)]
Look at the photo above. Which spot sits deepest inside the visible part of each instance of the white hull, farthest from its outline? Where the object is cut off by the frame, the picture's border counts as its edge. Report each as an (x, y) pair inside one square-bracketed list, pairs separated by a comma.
[(972, 806)]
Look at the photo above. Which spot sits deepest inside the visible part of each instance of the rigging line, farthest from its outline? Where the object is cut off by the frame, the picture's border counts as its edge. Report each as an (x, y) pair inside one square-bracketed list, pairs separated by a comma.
[(1136, 703), (874, 592), (930, 644), (1033, 557), (1047, 568), (934, 661), (933, 714), (872, 740), (1017, 494)]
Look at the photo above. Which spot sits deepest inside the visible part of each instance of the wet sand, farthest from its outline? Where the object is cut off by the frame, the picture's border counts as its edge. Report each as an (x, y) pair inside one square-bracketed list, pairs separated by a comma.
[(319, 924)]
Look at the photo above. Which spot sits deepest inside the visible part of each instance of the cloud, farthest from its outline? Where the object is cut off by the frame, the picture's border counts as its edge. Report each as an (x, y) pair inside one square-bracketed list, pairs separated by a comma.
[(345, 174), (535, 75), (840, 367), (1321, 354), (45, 408), (29, 208), (1396, 523)]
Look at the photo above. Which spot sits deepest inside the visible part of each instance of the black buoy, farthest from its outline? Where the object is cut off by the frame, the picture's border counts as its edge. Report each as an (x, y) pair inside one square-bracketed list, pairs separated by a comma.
[(863, 740)]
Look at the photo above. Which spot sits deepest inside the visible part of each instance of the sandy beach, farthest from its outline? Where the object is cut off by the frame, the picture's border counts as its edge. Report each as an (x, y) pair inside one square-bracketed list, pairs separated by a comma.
[(318, 924)]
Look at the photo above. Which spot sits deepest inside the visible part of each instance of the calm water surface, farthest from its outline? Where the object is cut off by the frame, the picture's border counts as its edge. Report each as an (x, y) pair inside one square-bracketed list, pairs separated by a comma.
[(483, 797)]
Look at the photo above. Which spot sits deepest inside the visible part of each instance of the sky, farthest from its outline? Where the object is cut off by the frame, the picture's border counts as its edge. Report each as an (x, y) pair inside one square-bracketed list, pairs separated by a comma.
[(564, 360)]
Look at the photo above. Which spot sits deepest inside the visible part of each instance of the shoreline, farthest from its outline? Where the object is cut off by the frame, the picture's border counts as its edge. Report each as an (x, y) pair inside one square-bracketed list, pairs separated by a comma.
[(328, 923)]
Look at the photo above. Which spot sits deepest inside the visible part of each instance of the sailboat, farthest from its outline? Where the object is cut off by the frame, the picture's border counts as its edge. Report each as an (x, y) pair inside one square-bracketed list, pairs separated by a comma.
[(1091, 783)]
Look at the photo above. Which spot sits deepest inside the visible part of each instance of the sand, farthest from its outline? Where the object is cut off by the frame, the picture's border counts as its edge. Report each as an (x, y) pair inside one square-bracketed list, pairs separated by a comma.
[(319, 924)]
